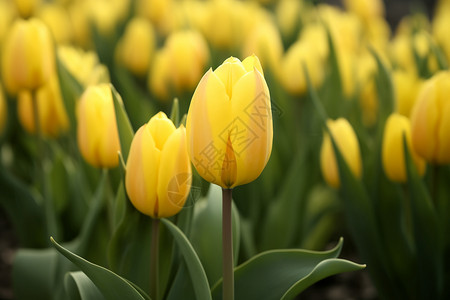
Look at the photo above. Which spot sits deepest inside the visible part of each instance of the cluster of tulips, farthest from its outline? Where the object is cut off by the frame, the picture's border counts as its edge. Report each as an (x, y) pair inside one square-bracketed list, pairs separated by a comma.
[(186, 149)]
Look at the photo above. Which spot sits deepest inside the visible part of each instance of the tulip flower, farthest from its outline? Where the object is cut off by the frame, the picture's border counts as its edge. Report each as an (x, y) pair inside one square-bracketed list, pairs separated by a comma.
[(229, 123), (430, 120), (56, 17), (136, 47), (406, 88), (159, 175), (393, 154), (3, 110), (26, 8), (347, 143), (53, 118), (28, 58), (97, 134)]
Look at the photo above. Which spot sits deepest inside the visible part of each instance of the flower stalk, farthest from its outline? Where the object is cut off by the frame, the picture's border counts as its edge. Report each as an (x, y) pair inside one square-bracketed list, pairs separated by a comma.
[(154, 258), (227, 245)]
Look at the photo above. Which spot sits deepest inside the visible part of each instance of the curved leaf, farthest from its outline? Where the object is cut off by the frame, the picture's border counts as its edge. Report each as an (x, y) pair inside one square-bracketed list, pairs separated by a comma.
[(79, 286), (282, 274), (111, 285), (124, 127), (195, 268)]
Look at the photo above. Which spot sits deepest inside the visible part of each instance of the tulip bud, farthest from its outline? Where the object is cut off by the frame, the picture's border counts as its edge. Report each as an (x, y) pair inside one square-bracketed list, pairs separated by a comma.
[(136, 47), (3, 110), (159, 175), (26, 8), (406, 88), (229, 123), (97, 134), (28, 56), (347, 143), (430, 120), (53, 118), (366, 10), (56, 17), (393, 154)]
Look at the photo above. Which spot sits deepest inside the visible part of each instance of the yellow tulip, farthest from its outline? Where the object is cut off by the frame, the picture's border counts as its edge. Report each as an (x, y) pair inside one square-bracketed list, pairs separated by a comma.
[(366, 10), (56, 17), (28, 58), (3, 110), (53, 118), (441, 25), (430, 120), (136, 47), (97, 134), (406, 87), (393, 155), (229, 123), (287, 14), (347, 143), (26, 8), (7, 15), (158, 172), (158, 79)]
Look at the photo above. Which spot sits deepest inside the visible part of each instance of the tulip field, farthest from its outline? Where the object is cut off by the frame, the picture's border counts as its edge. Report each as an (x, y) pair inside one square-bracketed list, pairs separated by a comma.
[(224, 149)]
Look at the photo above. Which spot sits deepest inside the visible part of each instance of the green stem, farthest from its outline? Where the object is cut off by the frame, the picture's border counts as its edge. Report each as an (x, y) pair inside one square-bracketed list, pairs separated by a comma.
[(227, 246), (154, 260), (50, 215)]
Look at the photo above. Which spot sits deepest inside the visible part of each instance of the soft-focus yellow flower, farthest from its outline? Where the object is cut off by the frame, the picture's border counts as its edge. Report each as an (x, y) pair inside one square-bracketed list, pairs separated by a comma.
[(265, 42), (80, 23), (53, 120), (26, 8), (188, 55), (97, 134), (158, 79), (57, 19), (229, 123), (3, 110), (347, 143), (287, 14), (106, 14), (430, 120), (441, 30), (368, 95), (28, 58), (366, 10), (393, 154), (292, 75), (179, 65), (159, 175), (406, 88), (137, 45), (83, 65), (7, 15), (159, 12)]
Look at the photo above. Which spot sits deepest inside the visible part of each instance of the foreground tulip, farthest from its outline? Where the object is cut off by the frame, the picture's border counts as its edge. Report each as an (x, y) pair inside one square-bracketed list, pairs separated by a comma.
[(28, 58), (229, 123), (159, 175), (97, 134), (393, 154), (53, 118), (430, 120), (347, 143)]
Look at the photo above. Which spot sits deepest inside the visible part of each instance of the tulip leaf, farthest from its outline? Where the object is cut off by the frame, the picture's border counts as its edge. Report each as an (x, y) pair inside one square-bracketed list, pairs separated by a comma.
[(79, 286), (20, 204), (124, 127), (206, 232), (111, 285), (283, 274), (175, 112), (426, 233), (71, 90), (194, 266), (359, 213)]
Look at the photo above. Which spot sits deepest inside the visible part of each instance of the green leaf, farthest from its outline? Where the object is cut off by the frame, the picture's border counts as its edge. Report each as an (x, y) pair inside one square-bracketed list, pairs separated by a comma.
[(111, 285), (206, 232), (124, 127), (175, 112), (79, 286), (426, 233), (283, 274), (71, 91), (196, 271)]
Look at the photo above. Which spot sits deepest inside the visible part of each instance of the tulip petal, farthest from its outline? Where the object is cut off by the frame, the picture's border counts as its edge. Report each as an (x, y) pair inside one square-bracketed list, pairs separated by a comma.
[(142, 172), (161, 128), (208, 118), (175, 175), (229, 73), (251, 130)]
